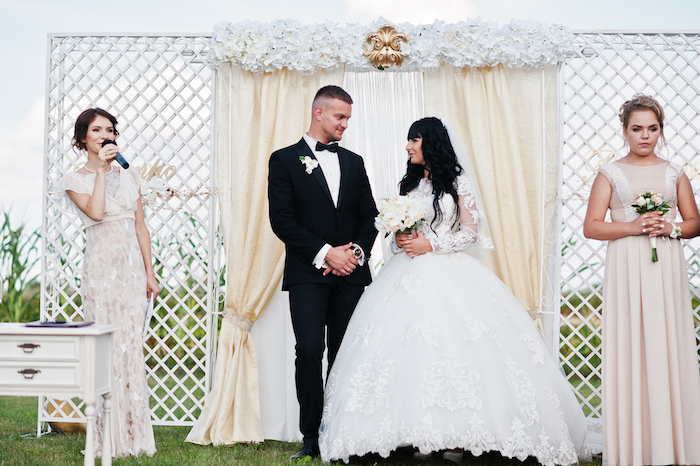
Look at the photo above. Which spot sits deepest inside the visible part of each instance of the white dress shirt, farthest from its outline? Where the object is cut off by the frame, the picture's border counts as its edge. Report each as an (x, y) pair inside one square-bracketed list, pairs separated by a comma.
[(330, 165)]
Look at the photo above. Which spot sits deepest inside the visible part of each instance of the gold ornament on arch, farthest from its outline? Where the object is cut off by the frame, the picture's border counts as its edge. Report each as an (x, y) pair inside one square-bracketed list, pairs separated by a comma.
[(386, 50)]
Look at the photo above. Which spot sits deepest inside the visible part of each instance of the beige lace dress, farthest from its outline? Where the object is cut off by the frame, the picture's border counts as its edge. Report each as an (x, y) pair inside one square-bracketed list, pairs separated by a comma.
[(651, 382), (113, 290)]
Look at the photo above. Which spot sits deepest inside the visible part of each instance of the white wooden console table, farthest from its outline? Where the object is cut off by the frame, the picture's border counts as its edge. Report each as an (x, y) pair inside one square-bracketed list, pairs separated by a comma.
[(61, 363)]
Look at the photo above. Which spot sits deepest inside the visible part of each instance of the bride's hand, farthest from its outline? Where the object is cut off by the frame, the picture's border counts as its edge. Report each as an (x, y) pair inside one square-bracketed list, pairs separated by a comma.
[(402, 238), (416, 246)]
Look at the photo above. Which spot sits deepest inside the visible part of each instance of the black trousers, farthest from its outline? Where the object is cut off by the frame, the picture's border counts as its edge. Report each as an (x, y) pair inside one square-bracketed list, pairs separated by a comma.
[(316, 310)]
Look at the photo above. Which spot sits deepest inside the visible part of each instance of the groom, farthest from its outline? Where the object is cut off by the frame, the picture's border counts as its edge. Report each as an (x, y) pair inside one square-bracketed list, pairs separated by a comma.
[(321, 207)]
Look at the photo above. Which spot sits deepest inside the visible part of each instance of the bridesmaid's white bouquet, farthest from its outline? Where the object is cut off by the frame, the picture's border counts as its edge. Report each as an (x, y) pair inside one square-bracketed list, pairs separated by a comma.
[(399, 214), (651, 202)]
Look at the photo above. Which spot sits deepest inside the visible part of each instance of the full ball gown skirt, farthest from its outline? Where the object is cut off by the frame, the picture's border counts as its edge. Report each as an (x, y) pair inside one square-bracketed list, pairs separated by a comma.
[(113, 289), (439, 354), (651, 381)]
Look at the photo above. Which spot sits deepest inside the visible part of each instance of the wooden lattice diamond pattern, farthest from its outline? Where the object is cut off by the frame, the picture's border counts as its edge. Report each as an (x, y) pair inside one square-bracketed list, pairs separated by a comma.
[(605, 70), (160, 89)]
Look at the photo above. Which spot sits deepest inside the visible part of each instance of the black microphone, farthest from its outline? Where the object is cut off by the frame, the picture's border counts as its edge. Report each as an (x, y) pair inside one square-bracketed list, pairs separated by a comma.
[(119, 158)]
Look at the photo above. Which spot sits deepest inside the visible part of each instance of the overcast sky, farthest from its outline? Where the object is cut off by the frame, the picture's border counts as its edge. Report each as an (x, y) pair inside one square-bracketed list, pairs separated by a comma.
[(24, 25)]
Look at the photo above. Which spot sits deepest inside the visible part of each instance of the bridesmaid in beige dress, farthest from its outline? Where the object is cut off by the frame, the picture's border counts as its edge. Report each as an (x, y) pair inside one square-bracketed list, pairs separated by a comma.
[(118, 277), (651, 381)]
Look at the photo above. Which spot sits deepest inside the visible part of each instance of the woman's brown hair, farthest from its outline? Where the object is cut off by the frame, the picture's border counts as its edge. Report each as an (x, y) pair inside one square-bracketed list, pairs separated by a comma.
[(83, 122), (641, 102)]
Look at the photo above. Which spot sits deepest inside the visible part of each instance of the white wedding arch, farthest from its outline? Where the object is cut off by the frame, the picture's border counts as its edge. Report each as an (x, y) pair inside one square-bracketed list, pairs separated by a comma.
[(178, 122)]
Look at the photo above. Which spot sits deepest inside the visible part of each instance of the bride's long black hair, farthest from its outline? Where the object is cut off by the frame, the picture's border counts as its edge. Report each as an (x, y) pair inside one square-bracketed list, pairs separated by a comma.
[(440, 161)]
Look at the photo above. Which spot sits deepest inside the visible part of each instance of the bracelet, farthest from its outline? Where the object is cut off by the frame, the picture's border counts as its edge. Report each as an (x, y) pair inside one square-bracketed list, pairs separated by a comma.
[(675, 231)]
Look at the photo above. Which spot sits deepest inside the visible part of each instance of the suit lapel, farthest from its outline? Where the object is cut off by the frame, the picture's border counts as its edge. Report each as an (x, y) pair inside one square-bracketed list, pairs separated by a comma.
[(304, 150), (344, 169)]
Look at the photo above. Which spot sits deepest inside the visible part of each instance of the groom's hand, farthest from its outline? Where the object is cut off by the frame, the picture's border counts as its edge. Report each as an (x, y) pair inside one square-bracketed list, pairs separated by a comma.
[(340, 261)]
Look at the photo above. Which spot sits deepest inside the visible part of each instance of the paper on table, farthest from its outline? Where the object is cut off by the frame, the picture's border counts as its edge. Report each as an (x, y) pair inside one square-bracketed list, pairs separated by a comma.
[(58, 323), (149, 314)]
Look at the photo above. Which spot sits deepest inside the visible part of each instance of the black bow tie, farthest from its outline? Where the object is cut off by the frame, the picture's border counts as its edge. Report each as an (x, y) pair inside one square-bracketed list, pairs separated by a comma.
[(332, 147)]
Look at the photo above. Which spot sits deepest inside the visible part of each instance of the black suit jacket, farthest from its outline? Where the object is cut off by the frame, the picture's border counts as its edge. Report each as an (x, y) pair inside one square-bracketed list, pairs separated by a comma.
[(304, 217)]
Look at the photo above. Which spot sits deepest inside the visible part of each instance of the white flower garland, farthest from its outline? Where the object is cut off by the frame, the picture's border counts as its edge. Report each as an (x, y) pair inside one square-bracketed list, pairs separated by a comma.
[(265, 47)]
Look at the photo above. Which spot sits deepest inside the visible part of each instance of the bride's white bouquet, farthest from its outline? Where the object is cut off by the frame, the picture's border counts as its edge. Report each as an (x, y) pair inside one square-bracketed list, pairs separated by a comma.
[(399, 214)]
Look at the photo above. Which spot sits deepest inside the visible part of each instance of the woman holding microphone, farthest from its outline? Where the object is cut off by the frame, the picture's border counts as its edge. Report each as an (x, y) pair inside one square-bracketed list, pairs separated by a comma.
[(118, 278)]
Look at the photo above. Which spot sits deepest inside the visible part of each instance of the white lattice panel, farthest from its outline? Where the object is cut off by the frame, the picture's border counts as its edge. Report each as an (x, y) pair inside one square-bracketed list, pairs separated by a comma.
[(160, 90), (605, 70)]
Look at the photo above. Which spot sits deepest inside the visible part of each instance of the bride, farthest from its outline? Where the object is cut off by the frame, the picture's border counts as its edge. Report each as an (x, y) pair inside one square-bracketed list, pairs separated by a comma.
[(439, 354)]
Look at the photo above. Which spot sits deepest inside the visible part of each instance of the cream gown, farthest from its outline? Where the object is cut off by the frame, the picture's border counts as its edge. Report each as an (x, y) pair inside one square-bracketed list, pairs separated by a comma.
[(113, 291), (651, 381)]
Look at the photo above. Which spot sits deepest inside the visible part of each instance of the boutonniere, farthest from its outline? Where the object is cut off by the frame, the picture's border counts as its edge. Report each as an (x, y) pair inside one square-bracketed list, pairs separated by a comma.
[(309, 162)]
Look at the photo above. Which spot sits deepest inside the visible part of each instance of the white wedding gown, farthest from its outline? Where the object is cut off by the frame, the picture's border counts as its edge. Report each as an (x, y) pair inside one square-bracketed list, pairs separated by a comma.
[(439, 354)]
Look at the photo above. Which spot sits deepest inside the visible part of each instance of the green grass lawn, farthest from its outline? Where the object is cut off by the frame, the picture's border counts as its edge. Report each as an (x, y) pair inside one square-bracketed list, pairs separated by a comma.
[(20, 447)]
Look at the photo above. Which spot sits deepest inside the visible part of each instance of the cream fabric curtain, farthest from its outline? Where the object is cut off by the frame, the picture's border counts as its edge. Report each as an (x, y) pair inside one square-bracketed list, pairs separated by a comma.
[(385, 105), (256, 114), (501, 114)]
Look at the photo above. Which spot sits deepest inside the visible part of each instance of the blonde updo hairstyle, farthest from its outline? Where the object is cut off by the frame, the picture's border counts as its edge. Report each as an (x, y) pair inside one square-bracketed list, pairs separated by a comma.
[(641, 102)]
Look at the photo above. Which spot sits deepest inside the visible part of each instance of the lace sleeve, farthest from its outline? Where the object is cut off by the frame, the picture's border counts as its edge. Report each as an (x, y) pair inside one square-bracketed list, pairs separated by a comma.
[(466, 235), (393, 246)]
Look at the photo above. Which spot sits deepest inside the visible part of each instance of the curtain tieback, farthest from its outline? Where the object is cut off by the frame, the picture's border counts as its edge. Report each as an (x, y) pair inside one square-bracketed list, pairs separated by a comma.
[(534, 313), (238, 320)]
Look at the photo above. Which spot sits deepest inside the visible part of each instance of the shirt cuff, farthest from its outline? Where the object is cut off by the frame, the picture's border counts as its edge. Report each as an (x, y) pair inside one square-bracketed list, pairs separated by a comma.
[(320, 260)]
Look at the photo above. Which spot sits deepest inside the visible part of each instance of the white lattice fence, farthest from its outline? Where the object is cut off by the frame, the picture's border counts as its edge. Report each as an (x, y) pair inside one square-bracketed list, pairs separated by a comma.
[(160, 90), (605, 70)]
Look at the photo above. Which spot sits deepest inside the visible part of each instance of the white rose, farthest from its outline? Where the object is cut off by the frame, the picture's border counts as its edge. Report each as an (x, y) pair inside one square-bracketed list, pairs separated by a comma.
[(641, 201), (260, 46), (658, 200)]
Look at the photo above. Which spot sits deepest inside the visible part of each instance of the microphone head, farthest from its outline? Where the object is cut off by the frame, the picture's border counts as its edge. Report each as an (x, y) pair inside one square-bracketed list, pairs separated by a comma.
[(119, 158)]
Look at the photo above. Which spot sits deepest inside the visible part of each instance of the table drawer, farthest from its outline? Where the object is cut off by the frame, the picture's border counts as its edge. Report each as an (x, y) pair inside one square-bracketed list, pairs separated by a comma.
[(34, 348), (39, 374)]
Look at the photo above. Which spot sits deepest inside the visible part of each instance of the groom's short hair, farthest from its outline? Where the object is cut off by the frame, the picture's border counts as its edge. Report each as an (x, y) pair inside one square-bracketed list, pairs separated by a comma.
[(331, 92)]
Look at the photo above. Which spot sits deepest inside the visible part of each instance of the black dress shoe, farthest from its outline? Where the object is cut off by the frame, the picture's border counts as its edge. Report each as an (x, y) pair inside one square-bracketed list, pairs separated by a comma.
[(306, 450)]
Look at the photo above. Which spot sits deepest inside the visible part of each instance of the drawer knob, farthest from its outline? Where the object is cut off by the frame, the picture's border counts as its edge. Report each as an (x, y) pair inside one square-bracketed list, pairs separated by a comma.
[(28, 347), (28, 373)]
